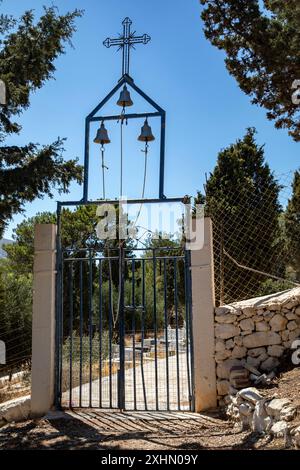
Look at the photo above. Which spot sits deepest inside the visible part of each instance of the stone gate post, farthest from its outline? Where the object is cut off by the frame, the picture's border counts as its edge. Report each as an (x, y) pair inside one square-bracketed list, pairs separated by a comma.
[(203, 303), (43, 320)]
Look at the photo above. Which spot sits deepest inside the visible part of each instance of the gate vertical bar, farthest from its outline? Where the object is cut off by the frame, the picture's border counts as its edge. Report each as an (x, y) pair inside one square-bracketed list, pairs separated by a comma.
[(80, 329), (121, 371), (100, 332), (187, 327), (176, 332), (191, 334), (90, 303), (143, 332), (133, 331), (166, 333), (70, 288), (155, 327)]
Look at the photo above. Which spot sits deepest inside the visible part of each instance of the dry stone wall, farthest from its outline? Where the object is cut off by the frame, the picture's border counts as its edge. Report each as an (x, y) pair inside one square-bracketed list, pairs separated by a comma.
[(256, 332)]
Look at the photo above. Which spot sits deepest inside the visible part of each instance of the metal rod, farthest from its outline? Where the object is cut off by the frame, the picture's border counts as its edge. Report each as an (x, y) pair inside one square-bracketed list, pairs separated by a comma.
[(155, 328), (189, 279), (121, 375), (100, 332), (86, 160), (80, 329), (90, 305), (166, 334), (129, 201), (176, 329), (133, 331), (143, 333), (187, 327), (116, 117), (70, 287), (162, 155), (110, 331)]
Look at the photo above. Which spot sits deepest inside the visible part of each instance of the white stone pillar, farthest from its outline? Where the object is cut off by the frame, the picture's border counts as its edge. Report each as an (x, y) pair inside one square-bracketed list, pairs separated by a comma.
[(203, 303), (43, 320)]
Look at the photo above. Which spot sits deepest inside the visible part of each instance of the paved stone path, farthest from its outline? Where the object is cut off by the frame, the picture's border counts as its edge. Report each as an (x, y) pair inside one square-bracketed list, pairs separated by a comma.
[(177, 390)]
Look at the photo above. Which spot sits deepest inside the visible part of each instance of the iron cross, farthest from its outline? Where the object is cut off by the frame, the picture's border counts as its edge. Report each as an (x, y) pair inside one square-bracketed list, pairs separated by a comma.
[(126, 42)]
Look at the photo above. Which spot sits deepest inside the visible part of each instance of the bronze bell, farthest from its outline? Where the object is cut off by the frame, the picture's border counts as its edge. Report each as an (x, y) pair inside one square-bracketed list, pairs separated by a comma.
[(102, 136), (125, 99), (146, 133)]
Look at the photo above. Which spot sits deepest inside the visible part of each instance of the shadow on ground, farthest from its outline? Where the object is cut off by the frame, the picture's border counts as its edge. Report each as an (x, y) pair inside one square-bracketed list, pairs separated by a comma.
[(92, 429)]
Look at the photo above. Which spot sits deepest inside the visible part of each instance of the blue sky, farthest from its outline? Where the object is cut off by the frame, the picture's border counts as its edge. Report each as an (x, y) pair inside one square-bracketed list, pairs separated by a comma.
[(179, 69)]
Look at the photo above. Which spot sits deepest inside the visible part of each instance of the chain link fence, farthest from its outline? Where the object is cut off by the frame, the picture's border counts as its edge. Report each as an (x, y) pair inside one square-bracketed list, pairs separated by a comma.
[(251, 250)]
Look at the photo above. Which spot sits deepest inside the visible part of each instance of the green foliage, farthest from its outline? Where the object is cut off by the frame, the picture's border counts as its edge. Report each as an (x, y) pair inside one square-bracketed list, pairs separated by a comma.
[(28, 50), (292, 226), (261, 43), (15, 314), (242, 200)]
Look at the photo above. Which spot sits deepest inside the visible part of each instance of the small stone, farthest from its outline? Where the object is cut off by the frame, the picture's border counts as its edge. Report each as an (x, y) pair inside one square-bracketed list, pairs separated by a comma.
[(268, 315), (223, 387), (229, 344), (284, 335), (220, 346), (291, 316), (250, 394), (287, 344), (253, 361), (226, 318), (276, 350), (292, 325), (239, 352), (226, 331), (261, 338), (256, 352), (246, 409), (278, 322), (297, 311), (247, 332), (279, 428), (262, 357), (294, 334), (273, 307), (262, 326), (238, 340), (222, 355), (249, 311), (261, 422), (223, 369), (275, 406), (288, 413), (258, 318), (269, 364), (290, 304), (225, 309), (247, 324)]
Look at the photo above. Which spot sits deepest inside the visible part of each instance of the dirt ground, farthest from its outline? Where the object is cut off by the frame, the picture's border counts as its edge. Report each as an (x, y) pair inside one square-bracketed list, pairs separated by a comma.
[(94, 429)]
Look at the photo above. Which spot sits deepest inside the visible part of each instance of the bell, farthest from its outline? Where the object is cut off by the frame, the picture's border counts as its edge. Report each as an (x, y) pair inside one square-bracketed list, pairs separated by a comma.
[(102, 136), (125, 99), (146, 133)]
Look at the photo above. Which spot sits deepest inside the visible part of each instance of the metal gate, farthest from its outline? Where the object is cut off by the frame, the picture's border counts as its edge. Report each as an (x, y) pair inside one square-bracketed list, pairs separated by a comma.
[(124, 333)]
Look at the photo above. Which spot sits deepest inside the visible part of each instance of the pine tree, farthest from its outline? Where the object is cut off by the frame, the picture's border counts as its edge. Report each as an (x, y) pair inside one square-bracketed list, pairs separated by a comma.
[(292, 226), (261, 41), (242, 200), (28, 50)]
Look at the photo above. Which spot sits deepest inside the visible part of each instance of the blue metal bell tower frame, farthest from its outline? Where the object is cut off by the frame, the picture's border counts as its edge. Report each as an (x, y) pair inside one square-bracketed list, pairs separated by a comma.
[(125, 79)]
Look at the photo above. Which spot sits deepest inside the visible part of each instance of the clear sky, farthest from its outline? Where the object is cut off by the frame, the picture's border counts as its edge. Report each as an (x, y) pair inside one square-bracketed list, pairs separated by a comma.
[(179, 69)]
